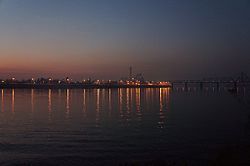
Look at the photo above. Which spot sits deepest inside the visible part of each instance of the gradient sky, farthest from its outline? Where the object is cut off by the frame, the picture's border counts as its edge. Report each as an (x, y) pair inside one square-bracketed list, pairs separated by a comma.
[(163, 39)]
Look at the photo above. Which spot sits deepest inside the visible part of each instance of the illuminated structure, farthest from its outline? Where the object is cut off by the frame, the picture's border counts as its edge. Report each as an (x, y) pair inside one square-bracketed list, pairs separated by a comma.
[(130, 73), (130, 82)]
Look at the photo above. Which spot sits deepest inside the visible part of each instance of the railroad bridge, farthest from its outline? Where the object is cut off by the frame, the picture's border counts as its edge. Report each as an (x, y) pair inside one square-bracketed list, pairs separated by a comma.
[(242, 80)]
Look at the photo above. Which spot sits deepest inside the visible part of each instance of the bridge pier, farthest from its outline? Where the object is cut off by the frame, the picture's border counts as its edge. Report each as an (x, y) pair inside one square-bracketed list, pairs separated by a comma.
[(186, 86), (217, 85), (235, 85), (201, 85)]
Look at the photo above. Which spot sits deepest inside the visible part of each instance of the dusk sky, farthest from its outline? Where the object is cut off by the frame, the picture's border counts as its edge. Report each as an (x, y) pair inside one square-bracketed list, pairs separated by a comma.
[(163, 39)]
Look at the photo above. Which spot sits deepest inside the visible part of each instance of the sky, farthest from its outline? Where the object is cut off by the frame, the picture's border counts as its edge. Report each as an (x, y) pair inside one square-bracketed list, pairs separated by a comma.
[(162, 39)]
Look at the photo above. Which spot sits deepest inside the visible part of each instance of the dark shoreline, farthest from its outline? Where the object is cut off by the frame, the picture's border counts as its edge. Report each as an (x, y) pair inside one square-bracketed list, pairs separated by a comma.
[(75, 86)]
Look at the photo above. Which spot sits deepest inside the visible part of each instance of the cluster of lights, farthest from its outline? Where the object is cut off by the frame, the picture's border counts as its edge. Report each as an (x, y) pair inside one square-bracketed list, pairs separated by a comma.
[(132, 82), (164, 83), (98, 82)]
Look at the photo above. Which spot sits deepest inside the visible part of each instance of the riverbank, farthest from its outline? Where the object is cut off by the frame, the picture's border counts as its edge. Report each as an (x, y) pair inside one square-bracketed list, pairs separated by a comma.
[(76, 86)]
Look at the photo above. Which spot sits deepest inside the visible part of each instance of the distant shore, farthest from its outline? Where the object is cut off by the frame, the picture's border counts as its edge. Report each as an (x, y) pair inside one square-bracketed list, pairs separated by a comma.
[(75, 86)]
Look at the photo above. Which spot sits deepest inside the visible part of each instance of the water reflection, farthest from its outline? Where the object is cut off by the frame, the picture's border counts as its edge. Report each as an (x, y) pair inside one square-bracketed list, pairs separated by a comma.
[(110, 101), (120, 103), (138, 104), (49, 104), (2, 101), (67, 103), (138, 99), (128, 108), (124, 104), (97, 107), (84, 101), (128, 99), (140, 126), (163, 104), (164, 99), (32, 100), (98, 100), (13, 100)]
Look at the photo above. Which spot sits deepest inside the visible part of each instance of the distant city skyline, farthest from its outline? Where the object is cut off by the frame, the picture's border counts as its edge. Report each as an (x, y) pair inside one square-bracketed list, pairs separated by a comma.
[(164, 40)]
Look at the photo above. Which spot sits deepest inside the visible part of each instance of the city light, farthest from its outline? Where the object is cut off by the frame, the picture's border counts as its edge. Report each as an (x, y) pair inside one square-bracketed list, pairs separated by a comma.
[(134, 82)]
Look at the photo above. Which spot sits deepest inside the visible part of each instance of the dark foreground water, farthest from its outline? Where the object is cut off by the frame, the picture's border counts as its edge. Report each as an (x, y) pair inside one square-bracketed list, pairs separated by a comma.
[(123, 127)]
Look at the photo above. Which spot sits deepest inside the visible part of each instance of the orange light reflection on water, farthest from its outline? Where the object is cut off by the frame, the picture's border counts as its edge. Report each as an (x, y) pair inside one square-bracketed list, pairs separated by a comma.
[(67, 103), (2, 100), (13, 100), (49, 104)]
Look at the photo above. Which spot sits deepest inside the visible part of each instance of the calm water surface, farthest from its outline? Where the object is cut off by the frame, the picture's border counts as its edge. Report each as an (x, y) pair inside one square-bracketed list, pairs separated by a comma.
[(118, 126)]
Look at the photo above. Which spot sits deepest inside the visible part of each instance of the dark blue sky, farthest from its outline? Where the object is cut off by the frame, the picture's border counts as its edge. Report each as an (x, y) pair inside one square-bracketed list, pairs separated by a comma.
[(163, 39)]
